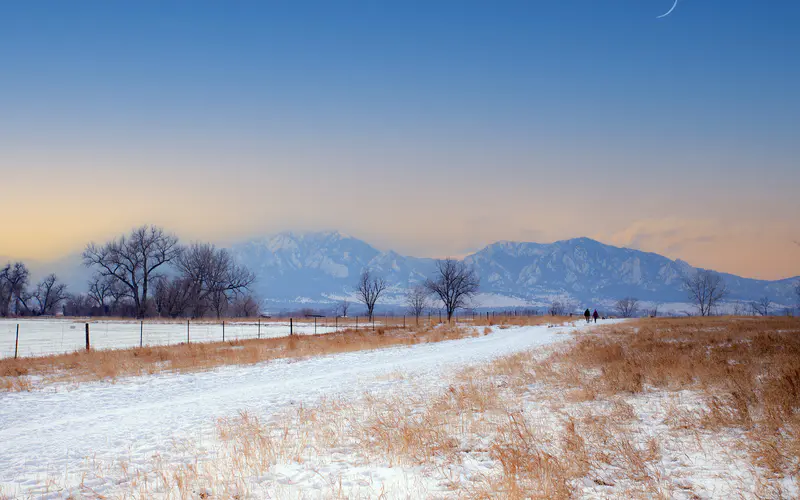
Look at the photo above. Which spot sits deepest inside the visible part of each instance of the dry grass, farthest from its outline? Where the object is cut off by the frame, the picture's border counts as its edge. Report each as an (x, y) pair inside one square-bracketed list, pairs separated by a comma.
[(747, 368)]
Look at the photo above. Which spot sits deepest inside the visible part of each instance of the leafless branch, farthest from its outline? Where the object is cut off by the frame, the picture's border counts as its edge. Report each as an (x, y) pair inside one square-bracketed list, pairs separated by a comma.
[(454, 283), (369, 290), (705, 289)]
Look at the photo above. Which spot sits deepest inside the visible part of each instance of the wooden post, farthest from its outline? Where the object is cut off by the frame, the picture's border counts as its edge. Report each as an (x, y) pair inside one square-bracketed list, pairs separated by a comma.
[(356, 323), (290, 326), (141, 334), (188, 339), (87, 336), (315, 325), (404, 322), (259, 327), (16, 343), (336, 322), (223, 331), (373, 322)]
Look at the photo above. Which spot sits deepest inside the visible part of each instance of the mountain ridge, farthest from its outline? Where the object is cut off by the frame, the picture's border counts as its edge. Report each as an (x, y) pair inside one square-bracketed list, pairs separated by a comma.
[(322, 267)]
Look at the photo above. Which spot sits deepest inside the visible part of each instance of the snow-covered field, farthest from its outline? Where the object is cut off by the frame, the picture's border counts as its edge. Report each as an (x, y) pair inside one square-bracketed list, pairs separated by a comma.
[(102, 439), (39, 337), (55, 436)]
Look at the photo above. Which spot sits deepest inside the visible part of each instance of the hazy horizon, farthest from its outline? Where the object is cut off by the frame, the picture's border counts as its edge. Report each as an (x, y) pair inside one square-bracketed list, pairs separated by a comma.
[(73, 257), (428, 129)]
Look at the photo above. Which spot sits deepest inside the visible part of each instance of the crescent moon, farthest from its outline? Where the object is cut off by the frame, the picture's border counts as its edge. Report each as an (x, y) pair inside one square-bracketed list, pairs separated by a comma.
[(669, 11)]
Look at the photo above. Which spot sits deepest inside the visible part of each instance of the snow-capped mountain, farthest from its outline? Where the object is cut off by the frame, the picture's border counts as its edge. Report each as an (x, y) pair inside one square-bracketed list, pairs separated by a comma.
[(319, 268), (324, 266)]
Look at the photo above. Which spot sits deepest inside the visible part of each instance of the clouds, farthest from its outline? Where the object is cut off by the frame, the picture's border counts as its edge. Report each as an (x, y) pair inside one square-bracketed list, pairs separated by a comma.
[(668, 234), (758, 246)]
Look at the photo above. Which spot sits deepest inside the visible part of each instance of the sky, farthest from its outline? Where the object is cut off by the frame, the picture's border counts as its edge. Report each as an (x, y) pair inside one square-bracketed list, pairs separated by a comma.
[(429, 127)]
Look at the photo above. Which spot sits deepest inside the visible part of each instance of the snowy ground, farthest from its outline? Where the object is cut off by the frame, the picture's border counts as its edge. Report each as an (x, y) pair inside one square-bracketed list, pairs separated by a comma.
[(39, 337), (53, 437)]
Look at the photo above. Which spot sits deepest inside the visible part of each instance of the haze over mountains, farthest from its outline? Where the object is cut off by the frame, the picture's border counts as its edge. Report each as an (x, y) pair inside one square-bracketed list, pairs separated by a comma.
[(319, 268)]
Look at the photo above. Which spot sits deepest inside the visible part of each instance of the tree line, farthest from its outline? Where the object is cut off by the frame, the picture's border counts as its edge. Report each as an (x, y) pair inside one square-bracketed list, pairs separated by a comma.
[(141, 274)]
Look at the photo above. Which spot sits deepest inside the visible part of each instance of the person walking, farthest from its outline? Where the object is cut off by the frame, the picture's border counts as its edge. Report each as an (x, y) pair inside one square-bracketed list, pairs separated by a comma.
[(587, 315), (595, 315)]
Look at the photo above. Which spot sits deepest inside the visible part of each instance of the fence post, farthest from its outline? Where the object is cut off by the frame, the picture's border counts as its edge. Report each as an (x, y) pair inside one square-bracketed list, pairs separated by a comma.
[(223, 331), (141, 334), (404, 322), (259, 327), (16, 343), (315, 325), (336, 322), (188, 339), (87, 336), (356, 323), (291, 327)]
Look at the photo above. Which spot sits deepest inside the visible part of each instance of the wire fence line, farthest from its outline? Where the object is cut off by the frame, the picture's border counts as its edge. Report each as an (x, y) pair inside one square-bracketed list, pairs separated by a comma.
[(26, 337)]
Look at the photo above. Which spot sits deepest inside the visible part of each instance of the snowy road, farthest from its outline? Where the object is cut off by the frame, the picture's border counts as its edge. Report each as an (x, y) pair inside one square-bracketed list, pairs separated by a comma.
[(50, 434)]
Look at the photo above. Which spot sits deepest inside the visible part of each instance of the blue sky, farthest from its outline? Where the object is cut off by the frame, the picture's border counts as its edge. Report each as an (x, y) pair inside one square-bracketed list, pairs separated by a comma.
[(683, 125)]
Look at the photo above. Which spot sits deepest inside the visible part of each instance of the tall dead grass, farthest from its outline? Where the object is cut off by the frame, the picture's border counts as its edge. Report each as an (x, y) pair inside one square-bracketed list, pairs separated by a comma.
[(747, 368)]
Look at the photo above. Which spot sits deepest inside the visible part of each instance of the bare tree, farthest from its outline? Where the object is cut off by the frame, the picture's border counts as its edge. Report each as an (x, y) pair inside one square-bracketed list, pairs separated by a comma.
[(705, 289), (13, 282), (134, 260), (48, 295), (214, 275), (369, 290), (739, 308), (245, 306), (627, 307), (343, 307), (557, 308), (454, 284), (762, 306), (78, 305), (100, 288), (172, 297), (653, 311), (219, 301), (417, 300)]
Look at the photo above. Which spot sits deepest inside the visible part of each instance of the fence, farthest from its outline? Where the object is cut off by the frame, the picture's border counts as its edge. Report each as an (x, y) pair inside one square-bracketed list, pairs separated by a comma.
[(25, 337)]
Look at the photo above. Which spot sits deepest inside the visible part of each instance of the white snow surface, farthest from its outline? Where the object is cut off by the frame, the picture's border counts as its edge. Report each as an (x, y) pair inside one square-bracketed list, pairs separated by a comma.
[(52, 434)]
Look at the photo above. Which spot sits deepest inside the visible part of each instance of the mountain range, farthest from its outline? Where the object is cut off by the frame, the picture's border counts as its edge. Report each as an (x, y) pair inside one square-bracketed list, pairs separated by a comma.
[(318, 269)]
